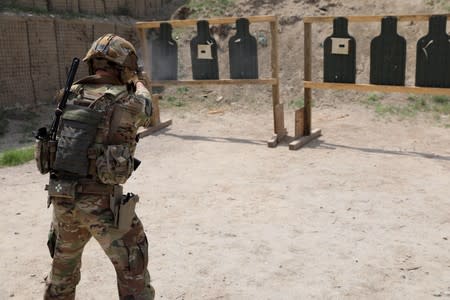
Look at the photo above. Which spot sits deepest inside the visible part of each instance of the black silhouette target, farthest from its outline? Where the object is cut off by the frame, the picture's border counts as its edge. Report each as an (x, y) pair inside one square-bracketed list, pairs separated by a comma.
[(204, 53), (243, 52), (339, 54), (388, 55), (433, 55), (164, 55)]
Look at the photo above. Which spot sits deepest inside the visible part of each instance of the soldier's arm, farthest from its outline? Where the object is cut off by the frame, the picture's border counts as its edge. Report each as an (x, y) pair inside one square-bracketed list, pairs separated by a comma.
[(142, 95)]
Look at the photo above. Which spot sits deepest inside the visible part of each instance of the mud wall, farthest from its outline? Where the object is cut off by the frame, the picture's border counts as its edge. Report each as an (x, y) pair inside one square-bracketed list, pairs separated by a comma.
[(36, 53)]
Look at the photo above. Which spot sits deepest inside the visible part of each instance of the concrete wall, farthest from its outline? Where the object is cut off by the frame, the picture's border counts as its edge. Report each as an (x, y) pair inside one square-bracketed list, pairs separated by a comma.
[(36, 53)]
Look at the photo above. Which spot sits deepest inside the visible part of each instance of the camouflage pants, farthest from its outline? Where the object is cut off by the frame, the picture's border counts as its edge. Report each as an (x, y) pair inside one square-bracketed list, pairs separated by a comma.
[(74, 222)]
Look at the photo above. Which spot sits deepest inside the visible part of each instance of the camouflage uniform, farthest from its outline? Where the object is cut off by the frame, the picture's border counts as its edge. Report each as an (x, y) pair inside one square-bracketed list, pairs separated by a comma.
[(82, 204)]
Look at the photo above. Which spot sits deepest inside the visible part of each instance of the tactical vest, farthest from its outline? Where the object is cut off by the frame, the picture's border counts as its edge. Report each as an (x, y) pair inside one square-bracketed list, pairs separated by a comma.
[(97, 134)]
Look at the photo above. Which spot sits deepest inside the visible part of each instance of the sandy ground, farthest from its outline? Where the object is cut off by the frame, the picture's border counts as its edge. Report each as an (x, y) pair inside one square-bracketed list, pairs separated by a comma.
[(361, 213)]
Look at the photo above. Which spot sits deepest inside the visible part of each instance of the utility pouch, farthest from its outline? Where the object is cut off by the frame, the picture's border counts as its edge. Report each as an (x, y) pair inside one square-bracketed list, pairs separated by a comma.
[(123, 123), (115, 164), (62, 188), (123, 209), (42, 155)]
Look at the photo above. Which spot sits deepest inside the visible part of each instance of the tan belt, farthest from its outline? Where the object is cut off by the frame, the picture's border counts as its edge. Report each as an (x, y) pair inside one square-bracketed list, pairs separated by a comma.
[(95, 188)]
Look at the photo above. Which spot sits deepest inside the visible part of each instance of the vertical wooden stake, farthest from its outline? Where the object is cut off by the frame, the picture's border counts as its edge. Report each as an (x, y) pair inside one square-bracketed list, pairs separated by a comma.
[(299, 122), (279, 126), (304, 134), (155, 119), (307, 77), (146, 53), (278, 117)]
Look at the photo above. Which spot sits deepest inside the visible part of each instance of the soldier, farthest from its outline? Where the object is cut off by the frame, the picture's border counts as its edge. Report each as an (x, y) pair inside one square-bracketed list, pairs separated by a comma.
[(94, 156)]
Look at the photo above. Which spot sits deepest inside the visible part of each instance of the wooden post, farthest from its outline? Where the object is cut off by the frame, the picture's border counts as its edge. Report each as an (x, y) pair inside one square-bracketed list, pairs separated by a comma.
[(303, 132), (307, 77), (278, 112), (155, 119), (299, 122), (146, 53), (278, 108), (309, 134)]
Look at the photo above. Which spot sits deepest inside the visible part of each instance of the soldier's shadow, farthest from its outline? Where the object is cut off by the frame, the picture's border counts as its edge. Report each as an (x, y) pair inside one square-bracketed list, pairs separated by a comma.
[(215, 139)]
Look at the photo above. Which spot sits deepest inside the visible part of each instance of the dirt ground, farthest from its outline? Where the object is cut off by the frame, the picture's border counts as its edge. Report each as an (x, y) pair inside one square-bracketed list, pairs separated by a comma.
[(360, 213)]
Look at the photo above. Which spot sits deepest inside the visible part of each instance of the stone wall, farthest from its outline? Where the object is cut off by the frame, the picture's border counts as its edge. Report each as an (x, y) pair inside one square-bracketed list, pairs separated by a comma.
[(36, 53)]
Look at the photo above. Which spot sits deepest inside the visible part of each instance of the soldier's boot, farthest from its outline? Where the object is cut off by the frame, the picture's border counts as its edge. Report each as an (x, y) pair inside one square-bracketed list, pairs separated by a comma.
[(135, 287), (53, 293)]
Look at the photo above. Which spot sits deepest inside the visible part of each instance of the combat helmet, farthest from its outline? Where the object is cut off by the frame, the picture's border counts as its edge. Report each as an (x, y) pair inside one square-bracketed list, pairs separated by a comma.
[(114, 50)]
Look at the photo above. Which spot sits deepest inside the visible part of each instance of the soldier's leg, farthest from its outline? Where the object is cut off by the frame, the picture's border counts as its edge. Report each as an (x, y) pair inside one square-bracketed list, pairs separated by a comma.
[(128, 251), (71, 237)]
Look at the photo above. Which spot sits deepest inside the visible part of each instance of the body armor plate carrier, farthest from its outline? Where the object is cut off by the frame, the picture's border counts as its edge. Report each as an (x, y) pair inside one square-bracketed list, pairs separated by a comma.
[(97, 134)]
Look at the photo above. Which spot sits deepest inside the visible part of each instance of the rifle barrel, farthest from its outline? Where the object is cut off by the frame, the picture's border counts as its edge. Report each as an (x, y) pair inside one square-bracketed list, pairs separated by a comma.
[(62, 104)]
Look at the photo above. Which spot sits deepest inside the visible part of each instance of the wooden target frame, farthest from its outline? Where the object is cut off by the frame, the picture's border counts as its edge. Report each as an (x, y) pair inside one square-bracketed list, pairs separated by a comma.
[(278, 109), (303, 132)]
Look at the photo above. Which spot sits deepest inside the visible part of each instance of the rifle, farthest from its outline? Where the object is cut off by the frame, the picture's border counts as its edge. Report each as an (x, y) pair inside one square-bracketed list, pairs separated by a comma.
[(42, 133)]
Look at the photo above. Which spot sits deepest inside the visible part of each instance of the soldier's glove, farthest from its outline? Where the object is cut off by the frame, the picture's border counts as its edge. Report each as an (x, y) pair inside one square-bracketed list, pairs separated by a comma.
[(130, 78)]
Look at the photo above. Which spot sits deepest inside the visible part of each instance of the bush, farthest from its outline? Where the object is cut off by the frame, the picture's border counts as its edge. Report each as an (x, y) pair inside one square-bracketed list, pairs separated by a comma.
[(210, 8), (16, 157)]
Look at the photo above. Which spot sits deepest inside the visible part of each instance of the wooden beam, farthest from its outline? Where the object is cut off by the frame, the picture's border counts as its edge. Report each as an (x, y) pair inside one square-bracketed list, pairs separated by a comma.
[(297, 144), (212, 21), (401, 18), (273, 141), (271, 81), (377, 88), (150, 130)]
